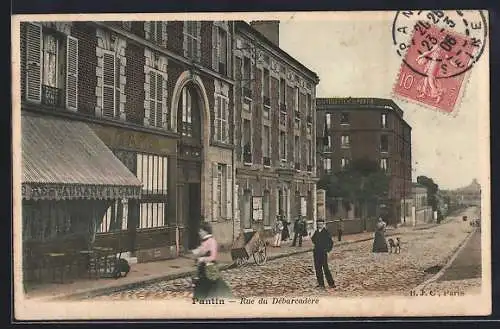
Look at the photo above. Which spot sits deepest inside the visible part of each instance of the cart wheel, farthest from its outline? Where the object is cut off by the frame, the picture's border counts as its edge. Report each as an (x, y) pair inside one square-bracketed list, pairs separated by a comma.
[(260, 254)]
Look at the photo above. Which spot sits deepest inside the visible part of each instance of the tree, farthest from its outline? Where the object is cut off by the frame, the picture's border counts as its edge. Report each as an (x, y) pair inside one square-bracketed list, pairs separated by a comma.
[(432, 189), (361, 181)]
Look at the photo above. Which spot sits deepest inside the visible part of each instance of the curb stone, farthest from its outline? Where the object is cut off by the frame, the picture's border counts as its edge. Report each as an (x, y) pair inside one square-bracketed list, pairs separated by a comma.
[(455, 254)]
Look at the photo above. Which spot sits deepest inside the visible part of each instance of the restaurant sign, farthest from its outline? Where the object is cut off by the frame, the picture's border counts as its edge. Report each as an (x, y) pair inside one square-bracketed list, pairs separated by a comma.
[(75, 192)]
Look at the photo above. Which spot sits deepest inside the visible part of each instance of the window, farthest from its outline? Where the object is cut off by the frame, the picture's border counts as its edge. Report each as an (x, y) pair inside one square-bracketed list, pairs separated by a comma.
[(266, 100), (156, 99), (308, 105), (344, 163), (192, 40), (51, 67), (247, 141), (222, 50), (345, 141), (329, 144), (297, 149), (247, 77), (282, 91), (383, 120), (266, 145), (283, 145), (383, 164), (152, 172), (296, 99), (112, 219), (186, 105), (156, 31), (327, 164), (328, 121), (221, 119), (384, 143), (309, 153), (221, 192), (344, 118)]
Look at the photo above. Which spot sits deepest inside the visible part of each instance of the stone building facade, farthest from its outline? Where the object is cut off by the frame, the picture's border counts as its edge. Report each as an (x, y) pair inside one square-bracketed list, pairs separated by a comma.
[(275, 136), (373, 128)]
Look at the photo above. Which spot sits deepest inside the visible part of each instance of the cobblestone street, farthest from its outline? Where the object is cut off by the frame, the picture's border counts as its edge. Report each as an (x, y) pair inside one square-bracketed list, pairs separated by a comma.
[(356, 270)]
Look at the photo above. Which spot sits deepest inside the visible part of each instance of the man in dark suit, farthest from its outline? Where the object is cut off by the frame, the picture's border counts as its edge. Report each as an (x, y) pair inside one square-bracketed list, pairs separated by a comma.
[(323, 244), (298, 228)]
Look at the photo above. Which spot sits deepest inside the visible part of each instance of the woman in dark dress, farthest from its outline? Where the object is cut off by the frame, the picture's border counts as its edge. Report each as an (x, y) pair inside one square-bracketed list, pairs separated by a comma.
[(285, 234), (209, 282), (379, 243)]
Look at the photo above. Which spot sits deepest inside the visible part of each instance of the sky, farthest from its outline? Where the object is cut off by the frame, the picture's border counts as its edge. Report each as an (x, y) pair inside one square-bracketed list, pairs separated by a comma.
[(356, 57)]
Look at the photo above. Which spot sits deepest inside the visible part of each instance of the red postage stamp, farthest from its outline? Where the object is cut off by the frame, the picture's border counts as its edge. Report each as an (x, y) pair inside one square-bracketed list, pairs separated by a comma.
[(435, 65)]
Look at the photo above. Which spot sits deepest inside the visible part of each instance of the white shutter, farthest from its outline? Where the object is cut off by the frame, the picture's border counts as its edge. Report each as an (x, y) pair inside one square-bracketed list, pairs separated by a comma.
[(225, 116), (215, 199), (33, 63), (108, 85), (215, 37), (72, 73), (219, 50), (229, 191), (163, 105), (198, 41), (147, 30)]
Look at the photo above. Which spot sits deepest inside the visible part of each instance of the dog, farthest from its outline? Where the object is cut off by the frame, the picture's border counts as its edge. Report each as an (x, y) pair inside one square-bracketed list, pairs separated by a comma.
[(395, 244)]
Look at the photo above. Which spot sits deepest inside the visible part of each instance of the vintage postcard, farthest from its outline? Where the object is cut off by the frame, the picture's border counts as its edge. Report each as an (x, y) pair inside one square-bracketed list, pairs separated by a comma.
[(199, 166)]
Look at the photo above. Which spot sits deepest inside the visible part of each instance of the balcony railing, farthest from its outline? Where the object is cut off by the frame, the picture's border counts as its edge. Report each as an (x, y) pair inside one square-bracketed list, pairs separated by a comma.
[(327, 148), (52, 96), (247, 92), (267, 161)]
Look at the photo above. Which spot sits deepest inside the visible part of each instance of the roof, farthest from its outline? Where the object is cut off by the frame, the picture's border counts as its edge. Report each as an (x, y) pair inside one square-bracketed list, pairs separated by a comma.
[(58, 152), (245, 25), (323, 103)]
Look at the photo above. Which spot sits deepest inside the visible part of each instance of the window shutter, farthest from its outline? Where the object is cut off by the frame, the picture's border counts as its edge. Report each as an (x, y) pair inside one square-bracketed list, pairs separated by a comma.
[(219, 50), (164, 34), (147, 30), (152, 98), (33, 63), (72, 73), (159, 98), (185, 42), (225, 116), (215, 37), (215, 198), (198, 41), (164, 106), (229, 52), (108, 85), (229, 190)]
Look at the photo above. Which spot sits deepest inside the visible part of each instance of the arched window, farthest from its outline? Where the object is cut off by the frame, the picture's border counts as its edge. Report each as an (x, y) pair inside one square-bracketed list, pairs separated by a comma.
[(186, 108)]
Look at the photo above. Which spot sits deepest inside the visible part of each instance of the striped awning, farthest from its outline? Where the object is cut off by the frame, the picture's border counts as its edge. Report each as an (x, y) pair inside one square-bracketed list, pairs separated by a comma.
[(66, 160)]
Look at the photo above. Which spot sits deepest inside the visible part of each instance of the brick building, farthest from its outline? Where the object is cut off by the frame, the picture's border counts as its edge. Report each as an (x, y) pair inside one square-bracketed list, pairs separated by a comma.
[(274, 130), (159, 96), (373, 128)]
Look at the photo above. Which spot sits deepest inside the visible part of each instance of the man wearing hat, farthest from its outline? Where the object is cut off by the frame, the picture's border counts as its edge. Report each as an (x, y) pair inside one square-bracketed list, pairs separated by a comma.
[(323, 244)]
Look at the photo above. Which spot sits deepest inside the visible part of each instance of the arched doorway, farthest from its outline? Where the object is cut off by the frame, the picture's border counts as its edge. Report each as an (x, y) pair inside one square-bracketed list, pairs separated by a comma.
[(189, 162)]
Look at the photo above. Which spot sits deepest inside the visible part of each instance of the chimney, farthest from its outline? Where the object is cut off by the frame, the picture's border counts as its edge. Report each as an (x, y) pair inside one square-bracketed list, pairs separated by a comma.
[(270, 29)]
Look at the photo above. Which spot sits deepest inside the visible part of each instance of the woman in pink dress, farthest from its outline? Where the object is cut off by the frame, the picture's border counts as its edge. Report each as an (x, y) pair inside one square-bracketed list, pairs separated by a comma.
[(209, 283)]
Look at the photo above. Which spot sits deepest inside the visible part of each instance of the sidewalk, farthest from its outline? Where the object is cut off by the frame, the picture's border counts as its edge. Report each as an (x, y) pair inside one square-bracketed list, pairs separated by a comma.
[(146, 273)]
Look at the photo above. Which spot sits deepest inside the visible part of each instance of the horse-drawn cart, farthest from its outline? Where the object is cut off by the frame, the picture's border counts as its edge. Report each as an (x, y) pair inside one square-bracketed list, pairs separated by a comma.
[(246, 245)]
